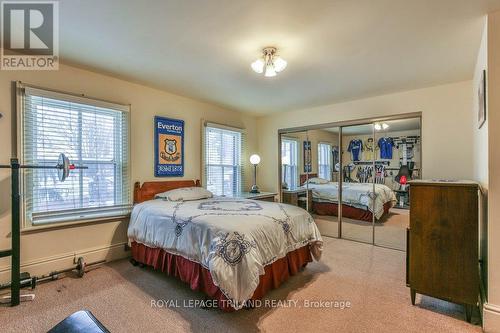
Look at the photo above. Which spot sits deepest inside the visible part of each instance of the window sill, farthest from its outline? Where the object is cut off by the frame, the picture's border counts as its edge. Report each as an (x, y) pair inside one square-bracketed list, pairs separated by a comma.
[(72, 224)]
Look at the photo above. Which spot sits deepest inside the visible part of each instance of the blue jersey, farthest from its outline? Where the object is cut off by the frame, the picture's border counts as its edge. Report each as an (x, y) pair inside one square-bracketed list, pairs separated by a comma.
[(386, 145), (355, 148)]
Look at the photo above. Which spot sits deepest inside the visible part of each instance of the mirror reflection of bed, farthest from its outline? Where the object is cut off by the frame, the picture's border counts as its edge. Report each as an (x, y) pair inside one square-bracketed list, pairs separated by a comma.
[(375, 162)]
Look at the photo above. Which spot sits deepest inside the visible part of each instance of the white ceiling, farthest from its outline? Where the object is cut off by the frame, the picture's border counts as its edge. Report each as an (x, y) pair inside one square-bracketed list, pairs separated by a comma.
[(336, 49)]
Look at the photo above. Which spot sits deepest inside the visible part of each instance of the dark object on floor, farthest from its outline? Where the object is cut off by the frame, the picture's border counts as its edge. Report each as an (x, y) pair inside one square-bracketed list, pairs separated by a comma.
[(442, 246), (80, 322)]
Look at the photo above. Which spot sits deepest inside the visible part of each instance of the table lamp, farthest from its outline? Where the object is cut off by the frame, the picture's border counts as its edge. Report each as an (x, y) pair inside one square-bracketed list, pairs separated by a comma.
[(254, 159)]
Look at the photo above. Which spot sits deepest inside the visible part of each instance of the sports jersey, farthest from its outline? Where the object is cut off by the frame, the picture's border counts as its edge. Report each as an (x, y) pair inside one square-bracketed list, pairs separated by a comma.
[(355, 148), (386, 145), (368, 150)]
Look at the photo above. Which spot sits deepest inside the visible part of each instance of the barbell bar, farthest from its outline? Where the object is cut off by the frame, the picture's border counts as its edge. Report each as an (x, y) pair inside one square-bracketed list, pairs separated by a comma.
[(63, 166)]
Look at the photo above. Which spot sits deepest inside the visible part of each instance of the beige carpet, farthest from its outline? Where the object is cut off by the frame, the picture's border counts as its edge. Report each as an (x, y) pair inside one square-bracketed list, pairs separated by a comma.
[(371, 278), (389, 232)]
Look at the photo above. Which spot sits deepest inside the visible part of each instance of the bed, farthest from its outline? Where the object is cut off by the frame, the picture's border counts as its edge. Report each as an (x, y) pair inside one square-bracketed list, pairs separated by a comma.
[(233, 250), (358, 201)]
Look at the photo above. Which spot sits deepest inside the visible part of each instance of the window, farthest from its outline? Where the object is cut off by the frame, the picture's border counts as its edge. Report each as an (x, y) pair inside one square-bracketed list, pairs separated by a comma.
[(289, 171), (223, 151), (91, 133), (325, 161)]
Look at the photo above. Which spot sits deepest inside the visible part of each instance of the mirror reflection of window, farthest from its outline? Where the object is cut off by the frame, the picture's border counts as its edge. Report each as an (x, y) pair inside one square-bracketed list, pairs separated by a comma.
[(325, 161), (289, 163)]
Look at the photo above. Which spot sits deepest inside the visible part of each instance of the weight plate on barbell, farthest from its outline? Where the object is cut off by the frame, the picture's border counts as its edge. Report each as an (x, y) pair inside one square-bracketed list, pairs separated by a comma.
[(63, 167)]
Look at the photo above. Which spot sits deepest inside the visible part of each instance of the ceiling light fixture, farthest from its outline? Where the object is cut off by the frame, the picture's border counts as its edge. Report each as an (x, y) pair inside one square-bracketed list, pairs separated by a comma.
[(270, 63), (381, 126)]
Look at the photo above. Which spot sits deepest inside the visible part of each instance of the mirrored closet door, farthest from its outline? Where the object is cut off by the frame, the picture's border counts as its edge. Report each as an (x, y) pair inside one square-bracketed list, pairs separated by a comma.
[(353, 178), (358, 183), (310, 162), (398, 162), (323, 183), (295, 169)]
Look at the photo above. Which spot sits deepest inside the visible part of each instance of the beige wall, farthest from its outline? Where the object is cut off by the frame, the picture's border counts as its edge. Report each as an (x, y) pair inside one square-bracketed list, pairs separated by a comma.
[(480, 136), (480, 144), (45, 251), (446, 130), (492, 308)]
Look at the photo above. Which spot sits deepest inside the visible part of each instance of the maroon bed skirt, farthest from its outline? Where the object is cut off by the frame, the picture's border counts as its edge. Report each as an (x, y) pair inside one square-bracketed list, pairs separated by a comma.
[(328, 208), (200, 279)]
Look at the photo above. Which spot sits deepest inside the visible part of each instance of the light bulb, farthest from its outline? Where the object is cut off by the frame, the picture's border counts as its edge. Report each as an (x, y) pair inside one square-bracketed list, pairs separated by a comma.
[(270, 72), (385, 126), (279, 64), (258, 66), (378, 127), (255, 159)]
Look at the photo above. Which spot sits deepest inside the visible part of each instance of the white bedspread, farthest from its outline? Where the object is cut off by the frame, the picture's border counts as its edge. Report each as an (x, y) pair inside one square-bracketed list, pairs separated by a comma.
[(359, 195), (233, 238)]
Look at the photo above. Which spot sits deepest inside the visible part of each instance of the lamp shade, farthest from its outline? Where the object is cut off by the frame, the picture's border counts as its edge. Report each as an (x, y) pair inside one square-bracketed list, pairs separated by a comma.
[(279, 64), (270, 72), (255, 159), (258, 66)]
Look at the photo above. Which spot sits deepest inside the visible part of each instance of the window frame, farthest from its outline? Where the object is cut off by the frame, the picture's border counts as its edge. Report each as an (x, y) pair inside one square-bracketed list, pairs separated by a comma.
[(65, 217), (330, 160), (241, 176), (296, 179)]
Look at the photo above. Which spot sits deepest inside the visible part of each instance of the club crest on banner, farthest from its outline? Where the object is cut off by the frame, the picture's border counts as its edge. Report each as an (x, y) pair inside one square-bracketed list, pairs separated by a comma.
[(170, 152), (169, 147)]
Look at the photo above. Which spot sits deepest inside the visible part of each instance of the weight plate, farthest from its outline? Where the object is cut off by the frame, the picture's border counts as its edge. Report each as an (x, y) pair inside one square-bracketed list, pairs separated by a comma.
[(80, 267), (63, 167)]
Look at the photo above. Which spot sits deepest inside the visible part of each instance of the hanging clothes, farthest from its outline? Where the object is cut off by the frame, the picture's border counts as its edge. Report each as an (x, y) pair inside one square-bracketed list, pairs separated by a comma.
[(347, 170), (380, 174), (364, 173), (368, 150), (355, 148), (386, 145)]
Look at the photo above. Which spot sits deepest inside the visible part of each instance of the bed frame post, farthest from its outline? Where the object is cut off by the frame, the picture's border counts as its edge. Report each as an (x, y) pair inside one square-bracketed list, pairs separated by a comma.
[(137, 192)]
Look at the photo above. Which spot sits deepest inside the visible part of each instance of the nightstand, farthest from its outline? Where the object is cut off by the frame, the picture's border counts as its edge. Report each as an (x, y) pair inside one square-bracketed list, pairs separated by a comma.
[(297, 197), (262, 196)]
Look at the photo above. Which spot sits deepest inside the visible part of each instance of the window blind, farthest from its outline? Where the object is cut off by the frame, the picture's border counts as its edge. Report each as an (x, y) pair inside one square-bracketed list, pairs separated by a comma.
[(289, 158), (91, 133), (325, 161), (224, 153)]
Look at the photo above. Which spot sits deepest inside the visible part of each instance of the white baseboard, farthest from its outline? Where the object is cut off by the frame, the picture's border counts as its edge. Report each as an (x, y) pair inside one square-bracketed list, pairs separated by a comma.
[(491, 318), (44, 266)]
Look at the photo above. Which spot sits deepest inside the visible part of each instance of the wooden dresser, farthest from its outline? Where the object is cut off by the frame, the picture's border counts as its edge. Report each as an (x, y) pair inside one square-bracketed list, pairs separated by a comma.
[(442, 258)]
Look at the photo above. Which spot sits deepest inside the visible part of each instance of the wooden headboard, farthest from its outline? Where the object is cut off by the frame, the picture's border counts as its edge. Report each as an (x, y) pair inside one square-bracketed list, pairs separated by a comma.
[(303, 177), (148, 190)]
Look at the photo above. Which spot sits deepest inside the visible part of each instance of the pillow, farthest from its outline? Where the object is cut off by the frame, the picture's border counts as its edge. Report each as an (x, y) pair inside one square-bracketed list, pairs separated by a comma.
[(317, 180), (186, 194)]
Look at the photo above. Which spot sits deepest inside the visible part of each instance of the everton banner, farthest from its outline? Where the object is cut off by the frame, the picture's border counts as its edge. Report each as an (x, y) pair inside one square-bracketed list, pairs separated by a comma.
[(169, 147)]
